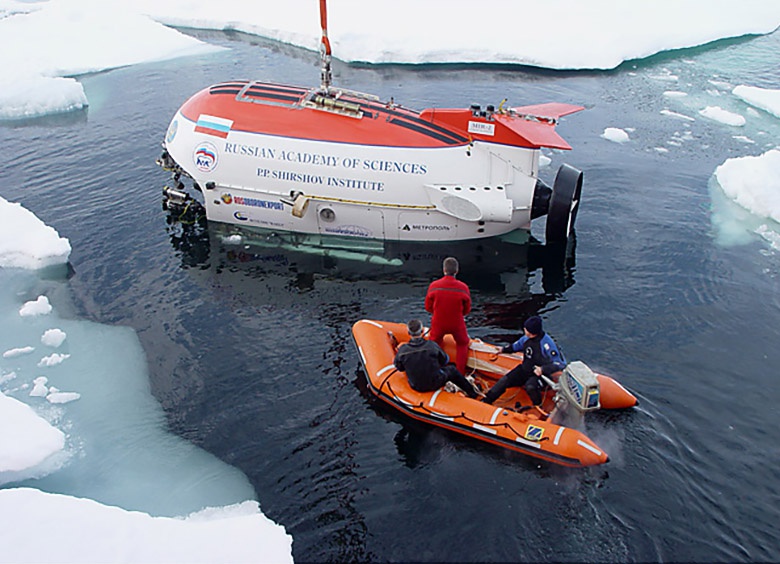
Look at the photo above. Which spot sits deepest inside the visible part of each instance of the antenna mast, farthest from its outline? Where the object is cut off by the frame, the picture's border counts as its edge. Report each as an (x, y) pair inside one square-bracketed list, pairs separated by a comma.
[(325, 53)]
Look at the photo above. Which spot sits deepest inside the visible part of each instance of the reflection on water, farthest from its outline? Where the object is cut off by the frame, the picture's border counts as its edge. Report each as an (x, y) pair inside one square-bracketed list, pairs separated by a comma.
[(298, 262)]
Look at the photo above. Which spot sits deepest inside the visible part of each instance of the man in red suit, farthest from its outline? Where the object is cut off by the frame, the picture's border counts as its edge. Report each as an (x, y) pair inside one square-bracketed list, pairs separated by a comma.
[(448, 300)]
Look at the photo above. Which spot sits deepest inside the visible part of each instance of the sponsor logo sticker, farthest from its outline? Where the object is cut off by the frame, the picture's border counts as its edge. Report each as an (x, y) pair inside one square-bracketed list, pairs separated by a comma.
[(534, 433), (349, 230), (205, 157), (423, 227), (481, 128)]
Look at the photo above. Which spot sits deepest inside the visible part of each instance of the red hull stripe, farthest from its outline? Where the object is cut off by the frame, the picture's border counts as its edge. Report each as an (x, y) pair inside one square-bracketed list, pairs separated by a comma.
[(269, 96), (456, 139), (427, 131), (225, 90), (280, 89)]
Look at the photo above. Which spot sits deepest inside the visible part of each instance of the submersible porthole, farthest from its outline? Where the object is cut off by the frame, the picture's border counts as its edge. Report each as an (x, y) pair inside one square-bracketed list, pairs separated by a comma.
[(327, 214)]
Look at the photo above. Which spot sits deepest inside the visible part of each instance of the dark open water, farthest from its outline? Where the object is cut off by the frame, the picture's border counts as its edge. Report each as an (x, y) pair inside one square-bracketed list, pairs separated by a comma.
[(251, 356)]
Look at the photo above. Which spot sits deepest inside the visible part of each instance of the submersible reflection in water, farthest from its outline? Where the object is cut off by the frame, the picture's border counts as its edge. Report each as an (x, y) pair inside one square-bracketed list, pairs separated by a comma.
[(496, 266)]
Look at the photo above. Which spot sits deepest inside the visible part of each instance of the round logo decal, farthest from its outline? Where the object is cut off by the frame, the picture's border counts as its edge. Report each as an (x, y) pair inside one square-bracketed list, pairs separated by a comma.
[(205, 157), (227, 198)]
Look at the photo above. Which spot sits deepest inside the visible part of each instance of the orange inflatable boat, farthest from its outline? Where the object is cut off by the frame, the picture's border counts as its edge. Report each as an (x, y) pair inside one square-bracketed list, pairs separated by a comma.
[(550, 433)]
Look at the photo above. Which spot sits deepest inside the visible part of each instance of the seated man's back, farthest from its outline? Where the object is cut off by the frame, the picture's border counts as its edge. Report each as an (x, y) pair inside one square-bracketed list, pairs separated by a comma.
[(426, 364)]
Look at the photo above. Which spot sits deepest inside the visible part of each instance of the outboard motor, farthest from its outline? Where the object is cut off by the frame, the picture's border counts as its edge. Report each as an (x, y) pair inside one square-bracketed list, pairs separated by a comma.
[(577, 392)]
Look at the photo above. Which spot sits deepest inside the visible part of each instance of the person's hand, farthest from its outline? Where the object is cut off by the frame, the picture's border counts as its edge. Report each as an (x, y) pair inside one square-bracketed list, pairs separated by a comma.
[(507, 349), (538, 370)]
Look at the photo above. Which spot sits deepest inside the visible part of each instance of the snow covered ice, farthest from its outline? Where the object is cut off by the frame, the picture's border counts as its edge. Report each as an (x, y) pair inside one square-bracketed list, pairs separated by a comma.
[(53, 337), (724, 116), (81, 421), (229, 534), (602, 36), (32, 441), (753, 183), (616, 135), (64, 423), (763, 98), (26, 242)]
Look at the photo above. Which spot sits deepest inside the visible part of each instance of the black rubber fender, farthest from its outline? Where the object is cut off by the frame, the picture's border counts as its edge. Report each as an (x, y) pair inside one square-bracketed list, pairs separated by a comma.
[(564, 204)]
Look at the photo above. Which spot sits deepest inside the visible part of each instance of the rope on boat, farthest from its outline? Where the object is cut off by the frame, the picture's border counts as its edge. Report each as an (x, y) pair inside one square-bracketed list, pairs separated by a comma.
[(462, 415), (393, 371)]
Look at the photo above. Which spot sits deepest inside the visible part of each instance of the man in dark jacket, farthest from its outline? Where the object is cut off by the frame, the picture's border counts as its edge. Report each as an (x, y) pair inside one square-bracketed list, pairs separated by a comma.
[(540, 356), (427, 365)]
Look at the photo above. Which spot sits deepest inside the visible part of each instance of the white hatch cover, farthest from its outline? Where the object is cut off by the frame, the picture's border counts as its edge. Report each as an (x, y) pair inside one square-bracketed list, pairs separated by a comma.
[(471, 203)]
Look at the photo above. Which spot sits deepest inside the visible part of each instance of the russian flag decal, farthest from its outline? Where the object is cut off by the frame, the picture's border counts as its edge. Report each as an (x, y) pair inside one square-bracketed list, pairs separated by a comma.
[(212, 125)]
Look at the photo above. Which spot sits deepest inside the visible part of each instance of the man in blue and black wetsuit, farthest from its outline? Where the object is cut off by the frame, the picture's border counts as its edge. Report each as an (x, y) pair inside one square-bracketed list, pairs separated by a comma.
[(540, 356), (427, 365)]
